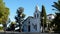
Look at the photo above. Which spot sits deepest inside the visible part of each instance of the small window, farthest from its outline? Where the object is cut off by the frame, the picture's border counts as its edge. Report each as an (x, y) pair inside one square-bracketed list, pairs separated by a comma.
[(49, 17), (29, 22)]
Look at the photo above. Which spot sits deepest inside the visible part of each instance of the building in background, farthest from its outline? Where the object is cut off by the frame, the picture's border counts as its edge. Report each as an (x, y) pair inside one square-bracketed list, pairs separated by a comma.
[(50, 17), (32, 23)]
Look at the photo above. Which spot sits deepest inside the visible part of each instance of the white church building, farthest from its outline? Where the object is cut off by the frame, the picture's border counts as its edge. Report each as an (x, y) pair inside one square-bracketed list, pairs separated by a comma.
[(32, 24)]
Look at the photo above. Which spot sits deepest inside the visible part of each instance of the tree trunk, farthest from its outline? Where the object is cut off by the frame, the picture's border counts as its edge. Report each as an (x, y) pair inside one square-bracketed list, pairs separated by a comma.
[(4, 27)]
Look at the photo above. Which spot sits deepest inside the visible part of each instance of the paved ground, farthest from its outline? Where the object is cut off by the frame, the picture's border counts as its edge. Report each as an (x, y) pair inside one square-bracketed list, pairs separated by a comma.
[(25, 33)]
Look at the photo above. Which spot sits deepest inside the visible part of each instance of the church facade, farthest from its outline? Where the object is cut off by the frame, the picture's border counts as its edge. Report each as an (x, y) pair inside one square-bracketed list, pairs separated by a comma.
[(33, 24)]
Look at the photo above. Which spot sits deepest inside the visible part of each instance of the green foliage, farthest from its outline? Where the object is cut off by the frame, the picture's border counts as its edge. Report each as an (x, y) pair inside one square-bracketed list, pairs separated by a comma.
[(12, 26), (57, 5), (43, 14), (20, 16), (13, 22), (23, 15), (1, 28), (56, 21), (4, 12)]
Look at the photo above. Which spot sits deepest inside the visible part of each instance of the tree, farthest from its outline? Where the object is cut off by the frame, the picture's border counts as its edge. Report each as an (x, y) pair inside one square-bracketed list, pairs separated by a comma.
[(43, 14), (20, 17), (8, 25), (4, 12), (11, 27), (8, 21), (43, 17), (56, 20), (1, 28)]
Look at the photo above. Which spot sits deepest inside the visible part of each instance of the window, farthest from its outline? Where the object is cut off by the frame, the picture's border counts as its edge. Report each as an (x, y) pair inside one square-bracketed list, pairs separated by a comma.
[(49, 17), (37, 15), (29, 22), (29, 27)]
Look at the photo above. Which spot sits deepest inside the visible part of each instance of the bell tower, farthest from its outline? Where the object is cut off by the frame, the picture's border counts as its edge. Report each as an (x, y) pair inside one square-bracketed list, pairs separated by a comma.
[(37, 12)]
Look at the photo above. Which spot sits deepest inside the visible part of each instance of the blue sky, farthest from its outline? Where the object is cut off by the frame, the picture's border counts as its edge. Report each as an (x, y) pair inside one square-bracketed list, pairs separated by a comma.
[(29, 6)]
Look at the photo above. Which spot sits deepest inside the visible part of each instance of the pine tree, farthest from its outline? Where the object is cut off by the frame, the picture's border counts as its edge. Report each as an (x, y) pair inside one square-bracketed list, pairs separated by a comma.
[(20, 17)]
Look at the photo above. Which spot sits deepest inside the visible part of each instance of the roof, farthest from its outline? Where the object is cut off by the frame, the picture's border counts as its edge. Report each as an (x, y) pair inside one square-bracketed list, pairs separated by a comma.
[(27, 18), (50, 14)]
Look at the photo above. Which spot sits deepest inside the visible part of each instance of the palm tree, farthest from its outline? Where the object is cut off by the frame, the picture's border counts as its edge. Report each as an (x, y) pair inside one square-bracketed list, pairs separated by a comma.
[(56, 21), (56, 5)]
